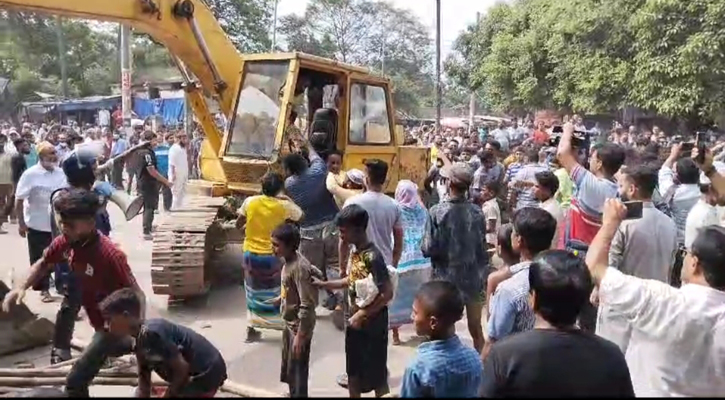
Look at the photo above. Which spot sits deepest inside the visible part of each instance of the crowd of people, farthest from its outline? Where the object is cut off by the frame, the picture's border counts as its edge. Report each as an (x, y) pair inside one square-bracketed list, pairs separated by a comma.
[(165, 166), (507, 219), (596, 267)]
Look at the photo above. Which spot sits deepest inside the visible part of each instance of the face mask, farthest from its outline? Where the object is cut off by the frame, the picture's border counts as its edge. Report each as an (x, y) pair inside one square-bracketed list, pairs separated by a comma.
[(63, 144), (115, 137)]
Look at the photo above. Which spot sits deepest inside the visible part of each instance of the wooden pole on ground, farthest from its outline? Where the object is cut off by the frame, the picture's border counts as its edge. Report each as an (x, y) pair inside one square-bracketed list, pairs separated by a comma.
[(228, 387)]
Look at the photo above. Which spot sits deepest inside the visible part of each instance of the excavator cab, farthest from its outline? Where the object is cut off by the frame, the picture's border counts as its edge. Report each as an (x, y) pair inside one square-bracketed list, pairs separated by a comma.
[(332, 105)]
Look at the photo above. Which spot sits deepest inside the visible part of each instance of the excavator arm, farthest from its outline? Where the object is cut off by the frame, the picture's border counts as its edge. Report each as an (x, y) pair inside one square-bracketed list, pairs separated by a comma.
[(187, 28)]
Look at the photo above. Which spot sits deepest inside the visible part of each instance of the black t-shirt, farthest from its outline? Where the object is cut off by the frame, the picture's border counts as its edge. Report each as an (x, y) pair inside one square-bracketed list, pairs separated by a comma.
[(146, 158), (18, 166), (552, 363), (161, 341)]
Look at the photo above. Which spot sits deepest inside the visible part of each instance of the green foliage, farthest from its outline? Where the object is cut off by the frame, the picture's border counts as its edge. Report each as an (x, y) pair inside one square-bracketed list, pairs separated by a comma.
[(594, 56), (246, 22), (29, 54), (370, 33)]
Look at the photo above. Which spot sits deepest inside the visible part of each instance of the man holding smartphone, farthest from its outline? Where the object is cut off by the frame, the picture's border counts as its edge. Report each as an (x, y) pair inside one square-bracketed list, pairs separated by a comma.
[(644, 245), (594, 186)]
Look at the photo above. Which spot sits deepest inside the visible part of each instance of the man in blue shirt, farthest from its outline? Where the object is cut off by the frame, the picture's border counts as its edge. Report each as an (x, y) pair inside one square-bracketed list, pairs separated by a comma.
[(162, 165), (306, 186), (443, 367)]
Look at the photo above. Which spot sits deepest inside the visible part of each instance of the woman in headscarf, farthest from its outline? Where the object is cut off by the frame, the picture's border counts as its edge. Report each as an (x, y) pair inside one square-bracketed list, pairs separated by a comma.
[(413, 269)]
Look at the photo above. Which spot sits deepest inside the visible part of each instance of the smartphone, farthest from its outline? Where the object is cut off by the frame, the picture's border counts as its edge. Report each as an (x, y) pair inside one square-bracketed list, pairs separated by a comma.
[(634, 209), (701, 149), (687, 147)]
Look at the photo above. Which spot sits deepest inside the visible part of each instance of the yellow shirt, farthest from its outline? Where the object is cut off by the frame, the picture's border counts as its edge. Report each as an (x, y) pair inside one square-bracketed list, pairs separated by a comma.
[(433, 154), (264, 214)]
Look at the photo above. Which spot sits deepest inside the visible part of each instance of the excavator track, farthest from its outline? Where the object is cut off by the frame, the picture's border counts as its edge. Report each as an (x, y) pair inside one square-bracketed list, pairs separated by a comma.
[(182, 249)]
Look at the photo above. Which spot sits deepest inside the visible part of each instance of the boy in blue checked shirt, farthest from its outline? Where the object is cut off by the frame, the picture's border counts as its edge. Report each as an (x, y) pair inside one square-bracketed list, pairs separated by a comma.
[(443, 367)]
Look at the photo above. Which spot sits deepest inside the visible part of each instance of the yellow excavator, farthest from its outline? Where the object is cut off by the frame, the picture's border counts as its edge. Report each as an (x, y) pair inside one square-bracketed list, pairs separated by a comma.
[(346, 106)]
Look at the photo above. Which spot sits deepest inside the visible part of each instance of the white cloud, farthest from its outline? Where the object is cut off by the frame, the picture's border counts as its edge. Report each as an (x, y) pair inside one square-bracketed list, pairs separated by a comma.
[(456, 15)]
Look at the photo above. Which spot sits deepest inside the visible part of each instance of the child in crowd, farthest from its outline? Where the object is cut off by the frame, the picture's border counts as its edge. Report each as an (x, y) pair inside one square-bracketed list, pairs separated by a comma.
[(443, 367), (191, 365), (491, 211), (298, 301), (99, 269), (366, 336), (506, 254)]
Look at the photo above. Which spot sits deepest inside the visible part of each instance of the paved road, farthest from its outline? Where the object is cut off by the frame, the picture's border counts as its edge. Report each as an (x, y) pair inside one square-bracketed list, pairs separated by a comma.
[(222, 319)]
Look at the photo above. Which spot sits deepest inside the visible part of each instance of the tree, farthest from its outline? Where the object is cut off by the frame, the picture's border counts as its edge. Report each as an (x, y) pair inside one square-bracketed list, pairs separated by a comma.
[(375, 34), (300, 37), (680, 58), (246, 22), (597, 56)]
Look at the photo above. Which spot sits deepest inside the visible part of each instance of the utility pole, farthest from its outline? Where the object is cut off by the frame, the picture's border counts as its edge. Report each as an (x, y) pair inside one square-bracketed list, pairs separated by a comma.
[(61, 56), (126, 77), (382, 52), (274, 26), (439, 90), (472, 101)]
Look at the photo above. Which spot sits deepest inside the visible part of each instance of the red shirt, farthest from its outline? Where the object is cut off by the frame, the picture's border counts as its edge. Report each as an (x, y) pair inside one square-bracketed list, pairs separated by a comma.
[(100, 267), (540, 137)]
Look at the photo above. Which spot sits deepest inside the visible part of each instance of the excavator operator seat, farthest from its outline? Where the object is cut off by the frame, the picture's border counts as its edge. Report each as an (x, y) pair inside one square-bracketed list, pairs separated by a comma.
[(325, 121)]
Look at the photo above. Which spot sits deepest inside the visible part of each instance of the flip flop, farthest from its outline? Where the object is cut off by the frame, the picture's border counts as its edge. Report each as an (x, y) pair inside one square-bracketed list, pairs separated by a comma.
[(46, 298)]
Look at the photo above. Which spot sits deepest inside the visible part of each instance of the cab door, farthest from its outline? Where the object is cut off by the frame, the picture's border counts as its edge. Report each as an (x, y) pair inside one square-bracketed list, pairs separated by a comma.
[(370, 128)]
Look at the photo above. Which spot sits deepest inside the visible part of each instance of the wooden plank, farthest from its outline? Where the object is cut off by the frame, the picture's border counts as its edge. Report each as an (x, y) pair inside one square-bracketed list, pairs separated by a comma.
[(178, 277)]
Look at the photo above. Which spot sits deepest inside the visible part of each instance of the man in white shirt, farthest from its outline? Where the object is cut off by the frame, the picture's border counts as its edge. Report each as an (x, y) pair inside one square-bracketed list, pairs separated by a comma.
[(643, 247), (677, 347), (104, 118), (705, 212), (33, 206), (678, 185), (546, 186), (178, 170)]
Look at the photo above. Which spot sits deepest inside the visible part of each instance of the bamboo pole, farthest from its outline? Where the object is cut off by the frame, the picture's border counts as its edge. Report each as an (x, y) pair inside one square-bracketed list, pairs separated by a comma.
[(246, 391), (228, 387), (63, 364), (60, 372), (60, 381)]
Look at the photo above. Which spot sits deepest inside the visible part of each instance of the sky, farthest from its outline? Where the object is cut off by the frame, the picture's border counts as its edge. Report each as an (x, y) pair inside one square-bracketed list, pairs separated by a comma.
[(456, 15)]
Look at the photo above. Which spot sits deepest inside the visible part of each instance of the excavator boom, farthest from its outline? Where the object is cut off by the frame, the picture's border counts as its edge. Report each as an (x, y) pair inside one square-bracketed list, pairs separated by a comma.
[(187, 28)]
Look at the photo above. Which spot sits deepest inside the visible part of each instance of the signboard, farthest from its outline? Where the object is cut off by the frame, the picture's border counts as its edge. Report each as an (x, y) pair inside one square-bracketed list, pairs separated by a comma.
[(126, 93)]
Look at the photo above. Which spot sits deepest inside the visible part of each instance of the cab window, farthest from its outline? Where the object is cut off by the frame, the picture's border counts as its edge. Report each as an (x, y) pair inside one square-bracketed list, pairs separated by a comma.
[(369, 122), (254, 123)]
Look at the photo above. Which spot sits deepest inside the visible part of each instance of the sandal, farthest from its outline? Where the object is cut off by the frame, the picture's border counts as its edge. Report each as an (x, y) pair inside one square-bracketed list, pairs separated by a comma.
[(253, 335), (45, 297)]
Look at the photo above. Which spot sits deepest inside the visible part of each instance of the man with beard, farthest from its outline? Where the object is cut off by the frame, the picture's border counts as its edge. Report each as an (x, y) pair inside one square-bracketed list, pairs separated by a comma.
[(643, 247), (178, 169)]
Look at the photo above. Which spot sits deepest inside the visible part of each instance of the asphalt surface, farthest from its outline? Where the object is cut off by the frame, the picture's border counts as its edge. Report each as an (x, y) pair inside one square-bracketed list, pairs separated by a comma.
[(221, 318)]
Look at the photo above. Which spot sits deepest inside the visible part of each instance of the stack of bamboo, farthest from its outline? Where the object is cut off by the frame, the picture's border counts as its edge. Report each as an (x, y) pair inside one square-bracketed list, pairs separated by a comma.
[(16, 380)]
